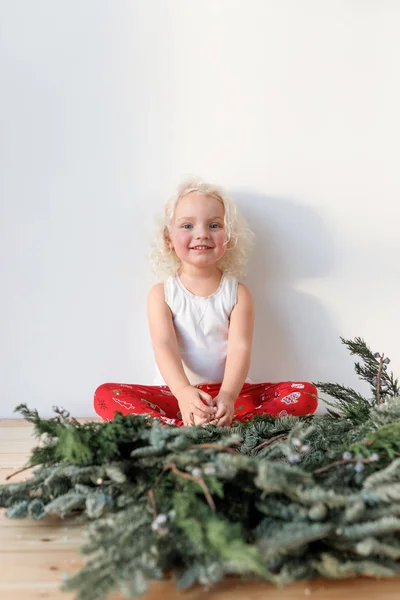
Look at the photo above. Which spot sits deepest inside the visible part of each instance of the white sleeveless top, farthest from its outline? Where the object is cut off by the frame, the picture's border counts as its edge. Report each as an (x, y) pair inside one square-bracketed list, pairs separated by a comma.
[(201, 325)]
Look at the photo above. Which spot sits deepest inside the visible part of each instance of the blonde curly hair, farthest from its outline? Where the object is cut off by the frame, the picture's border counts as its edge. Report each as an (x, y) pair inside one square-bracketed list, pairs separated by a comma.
[(240, 237)]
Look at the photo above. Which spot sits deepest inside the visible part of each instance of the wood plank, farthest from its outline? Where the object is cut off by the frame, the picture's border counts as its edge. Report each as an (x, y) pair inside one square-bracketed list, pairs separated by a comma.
[(14, 423), (228, 590), (49, 539), (12, 433), (20, 445), (49, 521), (5, 472), (13, 460), (24, 567), (34, 591)]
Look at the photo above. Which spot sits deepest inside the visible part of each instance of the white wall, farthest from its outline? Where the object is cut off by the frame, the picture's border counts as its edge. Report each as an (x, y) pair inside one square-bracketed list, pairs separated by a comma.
[(293, 106)]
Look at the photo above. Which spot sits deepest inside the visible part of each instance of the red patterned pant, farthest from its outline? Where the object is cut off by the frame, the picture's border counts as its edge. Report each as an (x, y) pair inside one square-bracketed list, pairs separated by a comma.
[(275, 399)]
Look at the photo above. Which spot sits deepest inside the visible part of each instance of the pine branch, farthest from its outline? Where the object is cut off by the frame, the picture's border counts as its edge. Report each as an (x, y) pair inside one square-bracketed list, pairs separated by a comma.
[(282, 499), (373, 370)]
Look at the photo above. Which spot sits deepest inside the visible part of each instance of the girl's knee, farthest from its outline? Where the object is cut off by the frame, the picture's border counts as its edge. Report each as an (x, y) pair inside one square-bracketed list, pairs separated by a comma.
[(302, 399), (310, 398), (101, 388), (105, 389), (101, 400)]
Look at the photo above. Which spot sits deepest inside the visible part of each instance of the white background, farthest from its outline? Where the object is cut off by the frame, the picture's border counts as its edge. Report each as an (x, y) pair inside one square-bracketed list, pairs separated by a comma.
[(105, 105)]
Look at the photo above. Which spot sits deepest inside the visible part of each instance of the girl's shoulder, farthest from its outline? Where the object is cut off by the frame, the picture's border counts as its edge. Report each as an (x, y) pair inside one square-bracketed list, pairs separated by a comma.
[(233, 282), (155, 289), (162, 291), (243, 287), (161, 285), (244, 296), (156, 292)]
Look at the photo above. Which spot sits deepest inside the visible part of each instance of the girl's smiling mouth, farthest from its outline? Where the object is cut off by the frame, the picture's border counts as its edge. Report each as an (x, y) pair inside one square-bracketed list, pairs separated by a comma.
[(201, 248)]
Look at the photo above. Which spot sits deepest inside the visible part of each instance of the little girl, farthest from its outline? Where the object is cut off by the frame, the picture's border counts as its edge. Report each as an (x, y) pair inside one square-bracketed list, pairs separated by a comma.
[(201, 324)]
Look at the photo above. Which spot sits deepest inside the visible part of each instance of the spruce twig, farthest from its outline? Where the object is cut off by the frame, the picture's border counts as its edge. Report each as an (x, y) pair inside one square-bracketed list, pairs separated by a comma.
[(152, 503), (199, 480), (26, 468), (337, 463), (209, 445), (378, 380), (270, 441)]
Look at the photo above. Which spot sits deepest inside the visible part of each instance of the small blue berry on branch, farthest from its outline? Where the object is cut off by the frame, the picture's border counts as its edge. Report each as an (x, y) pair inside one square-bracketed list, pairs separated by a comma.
[(294, 458), (209, 469), (197, 472), (160, 524)]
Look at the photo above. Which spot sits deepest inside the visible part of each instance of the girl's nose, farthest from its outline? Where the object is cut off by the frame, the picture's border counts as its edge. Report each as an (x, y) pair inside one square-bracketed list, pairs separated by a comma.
[(202, 233)]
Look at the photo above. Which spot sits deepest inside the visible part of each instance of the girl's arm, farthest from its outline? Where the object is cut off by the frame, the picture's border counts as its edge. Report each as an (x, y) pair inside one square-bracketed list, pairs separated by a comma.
[(168, 359), (240, 338), (164, 340)]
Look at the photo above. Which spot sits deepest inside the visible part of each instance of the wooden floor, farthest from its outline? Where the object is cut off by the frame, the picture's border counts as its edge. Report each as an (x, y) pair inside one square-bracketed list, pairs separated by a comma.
[(35, 556)]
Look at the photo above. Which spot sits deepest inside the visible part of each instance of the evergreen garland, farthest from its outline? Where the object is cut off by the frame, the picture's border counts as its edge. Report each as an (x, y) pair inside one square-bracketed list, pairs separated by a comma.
[(281, 499)]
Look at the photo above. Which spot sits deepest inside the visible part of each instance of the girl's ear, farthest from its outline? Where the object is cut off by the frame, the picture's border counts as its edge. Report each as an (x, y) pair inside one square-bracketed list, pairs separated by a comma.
[(167, 238)]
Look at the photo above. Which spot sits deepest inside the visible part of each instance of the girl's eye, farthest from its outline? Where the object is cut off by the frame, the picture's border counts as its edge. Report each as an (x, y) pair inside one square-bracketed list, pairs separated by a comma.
[(187, 226), (215, 225)]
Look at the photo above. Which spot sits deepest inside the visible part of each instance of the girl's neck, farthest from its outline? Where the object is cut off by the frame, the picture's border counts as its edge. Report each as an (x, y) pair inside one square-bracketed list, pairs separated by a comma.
[(200, 282)]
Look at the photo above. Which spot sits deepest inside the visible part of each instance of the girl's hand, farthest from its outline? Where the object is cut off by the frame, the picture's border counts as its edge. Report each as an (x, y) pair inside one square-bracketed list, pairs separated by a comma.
[(196, 406), (225, 404)]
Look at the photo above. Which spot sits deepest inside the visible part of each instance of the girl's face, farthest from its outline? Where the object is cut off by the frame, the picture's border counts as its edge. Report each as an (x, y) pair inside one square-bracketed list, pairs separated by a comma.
[(198, 233)]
